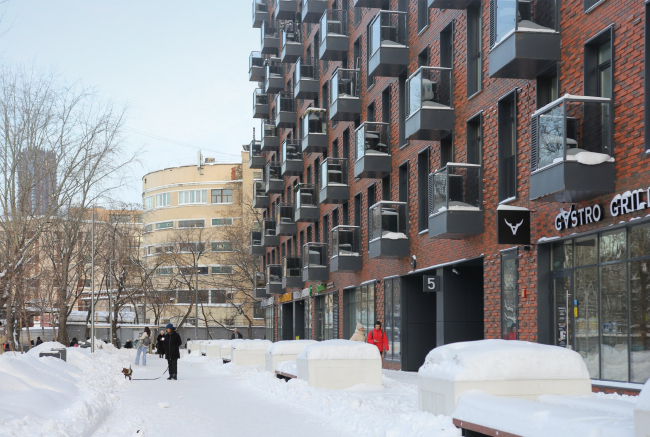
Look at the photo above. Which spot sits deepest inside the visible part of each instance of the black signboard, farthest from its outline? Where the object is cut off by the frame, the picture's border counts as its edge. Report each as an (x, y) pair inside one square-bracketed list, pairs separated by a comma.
[(513, 226), (432, 283)]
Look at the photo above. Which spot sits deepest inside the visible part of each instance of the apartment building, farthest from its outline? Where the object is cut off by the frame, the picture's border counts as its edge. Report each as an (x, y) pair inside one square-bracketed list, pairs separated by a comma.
[(193, 216), (459, 170)]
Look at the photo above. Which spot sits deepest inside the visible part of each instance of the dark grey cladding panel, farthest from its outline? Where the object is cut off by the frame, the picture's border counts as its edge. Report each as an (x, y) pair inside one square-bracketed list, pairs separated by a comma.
[(335, 194), (270, 144), (453, 4), (524, 55), (292, 282), (346, 263), (334, 47), (372, 166), (313, 274), (314, 143), (306, 89), (572, 182), (384, 248), (345, 109), (455, 225), (388, 61), (307, 214), (291, 52), (429, 123)]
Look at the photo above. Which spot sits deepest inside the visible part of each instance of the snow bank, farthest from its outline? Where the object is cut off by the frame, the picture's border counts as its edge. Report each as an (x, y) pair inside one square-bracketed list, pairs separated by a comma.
[(287, 367), (502, 360), (251, 345), (643, 402), (340, 350), (288, 347)]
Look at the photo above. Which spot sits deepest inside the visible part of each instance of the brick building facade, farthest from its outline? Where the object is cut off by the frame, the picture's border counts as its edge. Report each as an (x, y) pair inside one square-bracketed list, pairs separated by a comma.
[(557, 120)]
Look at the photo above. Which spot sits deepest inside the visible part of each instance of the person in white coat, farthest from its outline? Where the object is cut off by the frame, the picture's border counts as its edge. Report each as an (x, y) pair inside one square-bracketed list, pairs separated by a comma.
[(359, 334), (144, 341)]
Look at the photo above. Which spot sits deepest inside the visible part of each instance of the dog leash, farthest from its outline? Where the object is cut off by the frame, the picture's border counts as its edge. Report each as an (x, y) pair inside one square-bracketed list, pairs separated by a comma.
[(151, 379)]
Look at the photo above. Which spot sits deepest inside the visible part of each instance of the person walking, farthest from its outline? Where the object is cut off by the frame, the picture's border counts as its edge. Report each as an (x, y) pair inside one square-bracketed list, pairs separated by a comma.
[(378, 337), (236, 335), (160, 344), (172, 344), (144, 341), (359, 334), (38, 341)]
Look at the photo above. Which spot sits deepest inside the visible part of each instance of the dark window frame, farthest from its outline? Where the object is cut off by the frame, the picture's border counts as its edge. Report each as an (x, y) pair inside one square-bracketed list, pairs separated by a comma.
[(544, 81), (504, 193), (422, 15), (474, 38), (424, 168), (475, 120), (507, 255)]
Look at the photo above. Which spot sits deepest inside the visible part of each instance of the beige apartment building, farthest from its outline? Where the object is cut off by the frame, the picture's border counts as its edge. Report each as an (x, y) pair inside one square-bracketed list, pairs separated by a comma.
[(196, 221)]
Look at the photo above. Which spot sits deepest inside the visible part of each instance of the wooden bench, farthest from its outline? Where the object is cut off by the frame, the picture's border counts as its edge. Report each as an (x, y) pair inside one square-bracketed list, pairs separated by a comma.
[(474, 430), (285, 376)]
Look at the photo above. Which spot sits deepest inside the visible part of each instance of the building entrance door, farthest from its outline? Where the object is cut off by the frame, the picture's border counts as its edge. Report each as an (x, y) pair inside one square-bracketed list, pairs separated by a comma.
[(562, 309)]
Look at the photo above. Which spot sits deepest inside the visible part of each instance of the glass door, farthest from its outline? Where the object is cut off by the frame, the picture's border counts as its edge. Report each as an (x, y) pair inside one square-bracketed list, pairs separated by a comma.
[(562, 305)]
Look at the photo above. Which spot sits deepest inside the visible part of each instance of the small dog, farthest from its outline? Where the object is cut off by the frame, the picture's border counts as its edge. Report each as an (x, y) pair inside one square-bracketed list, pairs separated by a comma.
[(127, 372)]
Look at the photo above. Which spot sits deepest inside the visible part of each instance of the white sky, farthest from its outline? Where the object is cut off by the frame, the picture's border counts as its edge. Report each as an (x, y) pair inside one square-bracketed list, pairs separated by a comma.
[(180, 66)]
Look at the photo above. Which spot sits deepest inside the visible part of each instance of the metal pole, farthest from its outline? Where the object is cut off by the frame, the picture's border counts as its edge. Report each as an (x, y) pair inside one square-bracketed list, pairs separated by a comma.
[(196, 301), (110, 306), (92, 285)]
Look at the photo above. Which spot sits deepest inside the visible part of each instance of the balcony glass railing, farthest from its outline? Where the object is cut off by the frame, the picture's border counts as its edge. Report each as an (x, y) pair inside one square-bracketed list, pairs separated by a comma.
[(260, 6), (291, 267), (260, 280), (274, 274), (285, 102), (388, 29), (269, 227), (388, 221), (456, 187), (572, 128), (291, 150), (284, 213), (269, 129), (291, 33), (372, 139), (334, 172), (514, 15), (306, 68), (344, 84), (314, 121), (270, 30), (273, 171), (259, 189), (346, 241), (256, 149), (314, 255), (256, 238), (334, 22), (305, 196), (429, 87), (260, 98)]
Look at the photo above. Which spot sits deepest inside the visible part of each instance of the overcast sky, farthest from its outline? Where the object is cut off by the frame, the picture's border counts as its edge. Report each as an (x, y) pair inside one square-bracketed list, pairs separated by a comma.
[(180, 66)]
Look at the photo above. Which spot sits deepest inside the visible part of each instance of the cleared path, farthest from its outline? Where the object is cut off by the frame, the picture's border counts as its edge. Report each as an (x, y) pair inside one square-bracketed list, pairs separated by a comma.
[(202, 403)]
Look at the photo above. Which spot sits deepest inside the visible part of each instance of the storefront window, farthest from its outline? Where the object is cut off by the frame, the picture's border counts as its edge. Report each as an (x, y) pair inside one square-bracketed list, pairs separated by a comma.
[(360, 303), (586, 251), (268, 322), (613, 246), (325, 317), (586, 322), (509, 297), (562, 255), (613, 313), (392, 318), (280, 337), (308, 318)]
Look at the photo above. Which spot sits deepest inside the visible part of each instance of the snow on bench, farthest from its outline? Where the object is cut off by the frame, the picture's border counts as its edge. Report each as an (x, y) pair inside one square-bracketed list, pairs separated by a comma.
[(226, 350), (249, 352), (642, 413), (286, 370), (498, 367), (213, 348), (286, 350), (338, 364), (550, 415)]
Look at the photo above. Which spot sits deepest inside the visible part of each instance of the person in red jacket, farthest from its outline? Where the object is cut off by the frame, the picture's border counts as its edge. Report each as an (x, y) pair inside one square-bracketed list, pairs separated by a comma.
[(378, 337)]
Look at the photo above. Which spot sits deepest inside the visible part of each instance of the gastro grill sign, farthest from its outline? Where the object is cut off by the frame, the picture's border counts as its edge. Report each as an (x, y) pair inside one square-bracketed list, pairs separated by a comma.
[(513, 225)]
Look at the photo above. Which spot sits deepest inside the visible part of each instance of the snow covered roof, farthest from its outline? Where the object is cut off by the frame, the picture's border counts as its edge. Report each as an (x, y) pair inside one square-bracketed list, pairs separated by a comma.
[(339, 350), (288, 347)]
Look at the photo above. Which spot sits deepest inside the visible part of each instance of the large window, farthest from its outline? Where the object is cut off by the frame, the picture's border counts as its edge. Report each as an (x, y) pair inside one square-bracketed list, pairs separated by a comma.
[(423, 14), (191, 224), (258, 311), (360, 308), (392, 318), (220, 296), (163, 200), (474, 50), (222, 246), (603, 283), (268, 323), (423, 193), (221, 196), (509, 295), (165, 271), (164, 225), (222, 222), (221, 270), (325, 317), (192, 197), (308, 321), (508, 147), (475, 140), (148, 202)]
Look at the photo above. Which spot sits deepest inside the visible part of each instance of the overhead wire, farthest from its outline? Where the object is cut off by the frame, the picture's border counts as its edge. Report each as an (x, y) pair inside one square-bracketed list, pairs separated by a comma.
[(178, 143)]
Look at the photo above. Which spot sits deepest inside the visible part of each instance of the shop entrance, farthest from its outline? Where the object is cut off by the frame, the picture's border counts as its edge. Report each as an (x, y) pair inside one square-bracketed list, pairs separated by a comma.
[(562, 304), (287, 321), (299, 319)]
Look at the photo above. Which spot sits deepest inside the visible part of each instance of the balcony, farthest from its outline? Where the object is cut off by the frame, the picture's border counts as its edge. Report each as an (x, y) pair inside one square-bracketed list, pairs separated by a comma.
[(286, 9), (256, 247), (260, 285), (260, 198), (256, 68), (334, 36), (314, 128), (274, 82), (369, 3), (524, 42), (274, 279), (260, 12), (273, 177), (388, 38), (571, 150), (453, 4), (429, 103), (270, 138), (286, 222), (269, 237), (372, 149), (334, 186), (345, 97), (291, 272), (306, 79), (314, 262), (261, 108), (285, 105), (270, 44), (312, 10), (305, 197), (455, 202), (346, 249), (388, 231), (292, 163), (291, 42), (256, 159)]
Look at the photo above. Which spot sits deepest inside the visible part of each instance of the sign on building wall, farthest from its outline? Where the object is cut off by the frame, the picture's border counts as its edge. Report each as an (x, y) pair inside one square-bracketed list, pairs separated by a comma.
[(513, 225), (432, 283)]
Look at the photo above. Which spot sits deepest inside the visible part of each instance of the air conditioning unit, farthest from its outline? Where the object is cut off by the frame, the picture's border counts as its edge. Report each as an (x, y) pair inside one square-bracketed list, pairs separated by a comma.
[(429, 89)]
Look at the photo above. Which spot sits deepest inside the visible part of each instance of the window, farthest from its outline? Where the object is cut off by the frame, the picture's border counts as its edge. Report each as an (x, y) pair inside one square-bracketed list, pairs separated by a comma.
[(401, 111), (257, 175), (222, 222), (357, 210), (370, 113), (222, 196), (359, 307), (385, 188), (188, 271), (191, 247), (325, 316), (475, 140), (403, 181), (423, 192), (589, 4), (424, 58), (392, 318), (507, 113), (446, 150), (219, 296), (164, 225), (598, 65), (308, 321), (119, 218), (357, 16), (423, 14), (219, 270), (165, 271), (345, 148), (148, 202), (547, 87), (370, 80), (222, 246), (447, 46), (509, 296), (268, 323), (148, 228), (258, 311), (191, 224), (163, 200), (474, 50), (192, 197)]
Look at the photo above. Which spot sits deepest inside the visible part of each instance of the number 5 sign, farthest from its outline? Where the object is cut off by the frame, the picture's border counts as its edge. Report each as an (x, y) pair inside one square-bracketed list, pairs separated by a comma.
[(432, 283)]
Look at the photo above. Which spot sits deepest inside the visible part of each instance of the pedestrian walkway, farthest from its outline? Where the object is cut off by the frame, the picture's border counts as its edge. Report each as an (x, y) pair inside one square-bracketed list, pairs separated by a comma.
[(202, 403)]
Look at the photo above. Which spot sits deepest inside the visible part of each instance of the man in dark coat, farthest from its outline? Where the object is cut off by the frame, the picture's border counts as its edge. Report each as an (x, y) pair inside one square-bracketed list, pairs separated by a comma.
[(236, 335), (38, 341), (172, 344)]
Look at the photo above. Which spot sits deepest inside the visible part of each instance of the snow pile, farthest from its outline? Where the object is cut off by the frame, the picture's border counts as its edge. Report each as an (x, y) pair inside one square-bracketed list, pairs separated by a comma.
[(48, 396), (502, 360), (339, 350), (643, 402), (251, 345), (288, 347), (287, 367)]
